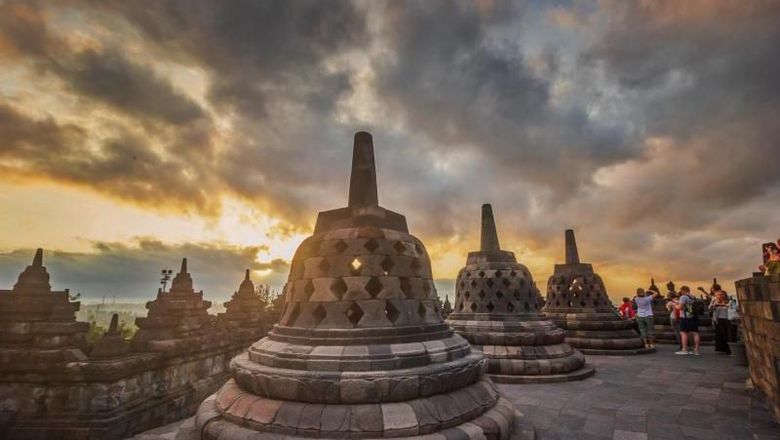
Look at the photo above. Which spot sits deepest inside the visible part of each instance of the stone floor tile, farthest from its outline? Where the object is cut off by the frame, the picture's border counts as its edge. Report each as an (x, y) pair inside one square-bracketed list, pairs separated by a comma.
[(629, 435)]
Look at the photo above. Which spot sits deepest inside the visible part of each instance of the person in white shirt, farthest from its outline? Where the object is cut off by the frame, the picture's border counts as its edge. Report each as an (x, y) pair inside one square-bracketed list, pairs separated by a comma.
[(644, 316)]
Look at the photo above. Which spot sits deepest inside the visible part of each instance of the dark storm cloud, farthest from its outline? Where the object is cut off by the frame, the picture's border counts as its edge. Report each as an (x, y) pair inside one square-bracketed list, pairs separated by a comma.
[(459, 83), (131, 88), (133, 271)]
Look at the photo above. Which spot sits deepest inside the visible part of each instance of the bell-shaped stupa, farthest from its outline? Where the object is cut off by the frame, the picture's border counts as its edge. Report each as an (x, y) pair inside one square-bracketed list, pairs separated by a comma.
[(497, 311), (361, 350), (577, 301), (245, 314)]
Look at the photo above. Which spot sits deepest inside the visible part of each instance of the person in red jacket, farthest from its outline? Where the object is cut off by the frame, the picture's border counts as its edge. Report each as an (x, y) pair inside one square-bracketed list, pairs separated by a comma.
[(626, 310)]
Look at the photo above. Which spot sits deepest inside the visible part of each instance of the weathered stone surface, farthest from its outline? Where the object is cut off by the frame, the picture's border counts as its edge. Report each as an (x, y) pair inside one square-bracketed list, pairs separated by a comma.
[(50, 388), (759, 306), (577, 302), (497, 311), (361, 350)]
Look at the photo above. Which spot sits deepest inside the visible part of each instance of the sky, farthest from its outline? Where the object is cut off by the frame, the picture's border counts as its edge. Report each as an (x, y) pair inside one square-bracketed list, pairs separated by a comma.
[(133, 134)]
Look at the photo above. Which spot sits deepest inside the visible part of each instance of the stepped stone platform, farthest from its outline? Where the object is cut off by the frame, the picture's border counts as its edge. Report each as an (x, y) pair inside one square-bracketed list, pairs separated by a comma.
[(497, 311), (577, 301), (655, 397), (361, 350)]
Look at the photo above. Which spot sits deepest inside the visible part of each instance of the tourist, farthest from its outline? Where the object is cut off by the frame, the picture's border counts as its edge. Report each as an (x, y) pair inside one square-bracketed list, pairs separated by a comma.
[(771, 264), (689, 322), (720, 316), (644, 316), (626, 310), (674, 316)]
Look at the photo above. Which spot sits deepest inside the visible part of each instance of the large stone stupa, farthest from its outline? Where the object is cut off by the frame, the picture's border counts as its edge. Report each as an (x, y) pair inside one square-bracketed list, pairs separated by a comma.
[(361, 350), (577, 301), (497, 311)]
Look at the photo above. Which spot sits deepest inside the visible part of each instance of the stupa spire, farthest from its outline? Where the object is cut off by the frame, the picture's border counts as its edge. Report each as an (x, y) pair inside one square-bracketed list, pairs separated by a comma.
[(572, 256), (114, 326), (489, 236), (183, 266), (362, 183), (38, 259), (246, 276)]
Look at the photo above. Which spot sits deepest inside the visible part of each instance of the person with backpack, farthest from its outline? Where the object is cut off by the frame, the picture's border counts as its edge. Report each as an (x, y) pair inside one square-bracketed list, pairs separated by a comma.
[(689, 321)]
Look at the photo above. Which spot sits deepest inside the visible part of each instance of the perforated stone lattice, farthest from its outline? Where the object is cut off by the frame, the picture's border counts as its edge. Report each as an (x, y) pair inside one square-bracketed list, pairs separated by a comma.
[(481, 289), (367, 277), (575, 291)]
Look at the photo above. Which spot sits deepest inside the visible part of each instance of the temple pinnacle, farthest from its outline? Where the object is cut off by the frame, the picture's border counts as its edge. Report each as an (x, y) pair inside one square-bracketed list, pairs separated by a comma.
[(572, 257), (38, 259), (114, 326), (362, 183), (246, 277), (183, 266), (489, 236)]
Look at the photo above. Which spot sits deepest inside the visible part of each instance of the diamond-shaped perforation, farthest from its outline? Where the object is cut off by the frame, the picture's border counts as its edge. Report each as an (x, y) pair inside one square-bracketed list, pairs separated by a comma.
[(473, 283), (391, 312), (324, 266), (499, 274), (473, 307), (526, 306), (510, 307), (481, 274), (489, 282), (499, 294), (506, 282), (339, 288), (415, 266), (373, 287), (406, 287), (490, 306), (356, 267), (481, 294), (399, 247), (387, 264), (340, 246), (318, 314), (308, 289), (420, 250), (462, 285), (371, 245), (512, 274), (354, 314)]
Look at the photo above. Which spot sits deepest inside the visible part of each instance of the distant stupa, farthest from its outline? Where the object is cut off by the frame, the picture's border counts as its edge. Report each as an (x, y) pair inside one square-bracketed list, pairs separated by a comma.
[(577, 301), (497, 311)]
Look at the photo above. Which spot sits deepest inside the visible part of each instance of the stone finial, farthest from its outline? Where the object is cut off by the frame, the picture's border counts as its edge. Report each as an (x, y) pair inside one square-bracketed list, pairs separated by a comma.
[(362, 183), (572, 256), (247, 287), (34, 278), (182, 281), (38, 259), (489, 236), (114, 326)]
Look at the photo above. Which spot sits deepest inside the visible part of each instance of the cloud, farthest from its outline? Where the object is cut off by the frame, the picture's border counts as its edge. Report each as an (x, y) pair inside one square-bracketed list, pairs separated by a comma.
[(132, 271)]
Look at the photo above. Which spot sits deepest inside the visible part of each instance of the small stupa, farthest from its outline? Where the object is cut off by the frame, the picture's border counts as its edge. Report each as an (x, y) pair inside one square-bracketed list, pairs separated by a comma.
[(577, 301), (177, 319), (245, 314), (361, 350), (497, 311), (38, 327), (111, 343)]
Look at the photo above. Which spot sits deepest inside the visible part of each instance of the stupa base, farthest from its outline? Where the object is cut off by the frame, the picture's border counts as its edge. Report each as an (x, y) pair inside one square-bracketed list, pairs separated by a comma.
[(583, 373), (616, 352), (474, 412)]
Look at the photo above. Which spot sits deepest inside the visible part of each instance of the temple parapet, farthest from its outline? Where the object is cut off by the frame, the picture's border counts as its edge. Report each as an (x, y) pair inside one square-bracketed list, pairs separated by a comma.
[(53, 384), (759, 308)]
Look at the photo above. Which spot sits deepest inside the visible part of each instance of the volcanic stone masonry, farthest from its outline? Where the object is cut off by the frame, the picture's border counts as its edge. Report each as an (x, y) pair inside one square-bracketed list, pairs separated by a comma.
[(55, 385), (577, 301), (245, 314), (664, 333), (361, 350), (759, 308), (497, 311)]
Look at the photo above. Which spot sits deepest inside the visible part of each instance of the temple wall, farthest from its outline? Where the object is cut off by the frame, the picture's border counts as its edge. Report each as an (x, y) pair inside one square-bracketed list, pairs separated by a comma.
[(759, 302), (111, 399)]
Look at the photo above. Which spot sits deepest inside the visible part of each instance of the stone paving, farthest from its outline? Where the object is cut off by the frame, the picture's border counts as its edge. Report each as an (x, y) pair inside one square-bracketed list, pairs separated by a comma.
[(659, 396)]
